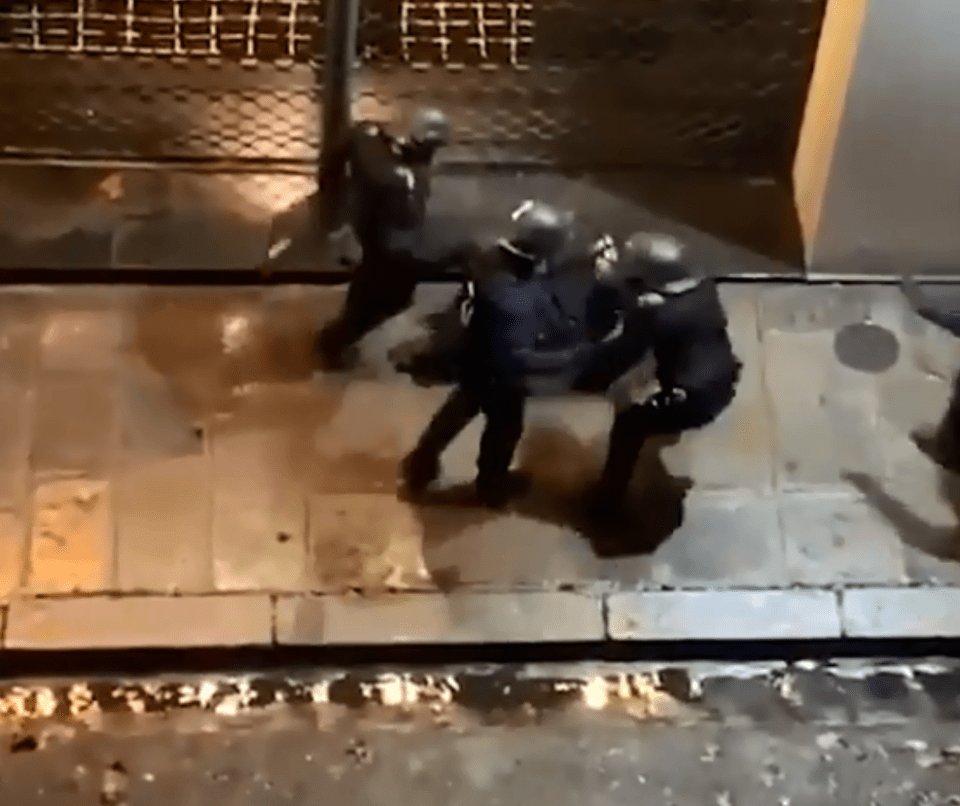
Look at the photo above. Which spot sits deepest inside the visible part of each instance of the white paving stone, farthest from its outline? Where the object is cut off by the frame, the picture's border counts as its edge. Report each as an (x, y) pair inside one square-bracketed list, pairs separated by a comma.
[(901, 613), (722, 615), (471, 618)]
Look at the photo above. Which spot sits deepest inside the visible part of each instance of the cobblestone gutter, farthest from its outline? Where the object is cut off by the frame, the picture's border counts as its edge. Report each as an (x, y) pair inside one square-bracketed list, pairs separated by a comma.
[(805, 734), (843, 692)]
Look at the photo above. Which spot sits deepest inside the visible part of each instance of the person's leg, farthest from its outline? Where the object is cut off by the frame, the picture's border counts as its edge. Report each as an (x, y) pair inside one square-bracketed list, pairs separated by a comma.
[(378, 291), (627, 436), (504, 412), (422, 464), (659, 415)]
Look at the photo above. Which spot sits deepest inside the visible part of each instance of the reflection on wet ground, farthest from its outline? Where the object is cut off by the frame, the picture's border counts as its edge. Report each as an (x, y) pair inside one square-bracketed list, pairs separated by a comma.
[(219, 459)]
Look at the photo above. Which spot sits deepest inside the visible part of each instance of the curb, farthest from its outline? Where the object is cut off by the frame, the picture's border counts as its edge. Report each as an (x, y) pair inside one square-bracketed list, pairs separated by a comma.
[(476, 618)]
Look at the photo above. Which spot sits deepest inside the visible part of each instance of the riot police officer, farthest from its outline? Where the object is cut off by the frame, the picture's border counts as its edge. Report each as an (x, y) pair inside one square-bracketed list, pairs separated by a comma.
[(680, 315), (401, 243), (525, 333)]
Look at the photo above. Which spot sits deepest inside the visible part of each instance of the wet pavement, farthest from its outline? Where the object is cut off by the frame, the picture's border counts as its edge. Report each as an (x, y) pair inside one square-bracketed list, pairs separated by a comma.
[(63, 218), (172, 440), (871, 733)]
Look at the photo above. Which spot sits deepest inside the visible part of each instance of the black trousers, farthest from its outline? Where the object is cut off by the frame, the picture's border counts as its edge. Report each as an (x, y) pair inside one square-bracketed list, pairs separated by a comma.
[(386, 279), (635, 424), (502, 407)]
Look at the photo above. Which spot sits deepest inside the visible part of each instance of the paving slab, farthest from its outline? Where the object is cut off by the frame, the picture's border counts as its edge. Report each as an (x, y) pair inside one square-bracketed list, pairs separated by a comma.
[(898, 612), (259, 511), (74, 422), (72, 538), (723, 615), (139, 622), (425, 618), (20, 321), (151, 424), (724, 540), (14, 442), (13, 533), (82, 338), (162, 514), (836, 538)]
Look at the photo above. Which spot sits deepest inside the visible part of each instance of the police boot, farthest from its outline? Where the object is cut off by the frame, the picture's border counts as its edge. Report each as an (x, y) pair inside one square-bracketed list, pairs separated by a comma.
[(627, 436), (419, 470), (496, 491)]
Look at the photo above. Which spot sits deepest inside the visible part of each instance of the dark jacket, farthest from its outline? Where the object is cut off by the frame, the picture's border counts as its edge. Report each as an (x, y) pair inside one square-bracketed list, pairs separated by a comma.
[(389, 183), (532, 328), (687, 328)]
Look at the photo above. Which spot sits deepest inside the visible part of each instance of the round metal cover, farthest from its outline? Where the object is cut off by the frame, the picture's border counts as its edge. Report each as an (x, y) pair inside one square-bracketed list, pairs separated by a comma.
[(866, 347)]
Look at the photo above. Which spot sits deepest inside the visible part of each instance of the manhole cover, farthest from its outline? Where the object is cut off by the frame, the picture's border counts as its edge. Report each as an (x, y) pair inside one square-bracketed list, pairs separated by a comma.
[(866, 347)]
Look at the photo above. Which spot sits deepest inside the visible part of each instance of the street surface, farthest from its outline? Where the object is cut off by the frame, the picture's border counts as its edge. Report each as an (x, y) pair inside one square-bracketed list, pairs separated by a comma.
[(167, 444), (862, 735)]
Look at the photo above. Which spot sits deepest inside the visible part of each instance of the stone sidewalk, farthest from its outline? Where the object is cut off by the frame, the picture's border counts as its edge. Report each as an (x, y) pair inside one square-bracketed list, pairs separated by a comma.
[(172, 473)]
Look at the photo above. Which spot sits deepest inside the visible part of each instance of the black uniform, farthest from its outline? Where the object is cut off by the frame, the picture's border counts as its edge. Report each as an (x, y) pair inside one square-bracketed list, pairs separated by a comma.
[(528, 333), (944, 442), (401, 243), (696, 368)]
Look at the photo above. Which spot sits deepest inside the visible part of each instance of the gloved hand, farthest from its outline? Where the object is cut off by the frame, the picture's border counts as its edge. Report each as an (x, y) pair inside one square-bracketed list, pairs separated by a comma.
[(666, 398), (605, 255), (465, 302)]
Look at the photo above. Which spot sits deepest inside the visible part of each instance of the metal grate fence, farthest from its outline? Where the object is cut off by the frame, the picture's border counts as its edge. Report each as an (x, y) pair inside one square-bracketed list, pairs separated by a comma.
[(253, 31), (163, 79), (615, 84), (714, 84)]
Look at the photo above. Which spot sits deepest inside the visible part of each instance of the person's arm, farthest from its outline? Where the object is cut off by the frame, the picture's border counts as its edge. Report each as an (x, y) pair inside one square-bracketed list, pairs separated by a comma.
[(924, 307), (541, 362)]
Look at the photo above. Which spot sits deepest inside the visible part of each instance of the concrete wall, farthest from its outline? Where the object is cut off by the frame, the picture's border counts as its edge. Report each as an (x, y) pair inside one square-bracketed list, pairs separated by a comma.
[(877, 171)]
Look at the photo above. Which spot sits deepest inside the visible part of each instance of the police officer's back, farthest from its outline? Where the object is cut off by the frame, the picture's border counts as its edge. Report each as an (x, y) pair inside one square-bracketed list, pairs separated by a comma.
[(681, 308), (517, 337), (385, 192), (527, 324)]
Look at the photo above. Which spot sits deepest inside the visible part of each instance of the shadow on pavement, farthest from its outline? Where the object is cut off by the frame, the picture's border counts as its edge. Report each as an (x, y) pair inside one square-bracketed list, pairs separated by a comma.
[(943, 543), (561, 470)]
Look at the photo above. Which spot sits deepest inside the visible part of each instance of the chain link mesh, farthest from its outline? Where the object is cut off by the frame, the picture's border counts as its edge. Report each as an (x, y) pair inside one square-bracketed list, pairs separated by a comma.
[(714, 84), (162, 79)]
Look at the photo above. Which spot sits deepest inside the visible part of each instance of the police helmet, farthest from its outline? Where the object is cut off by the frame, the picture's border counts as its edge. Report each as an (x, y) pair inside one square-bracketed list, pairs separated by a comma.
[(540, 230), (429, 126), (658, 259)]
